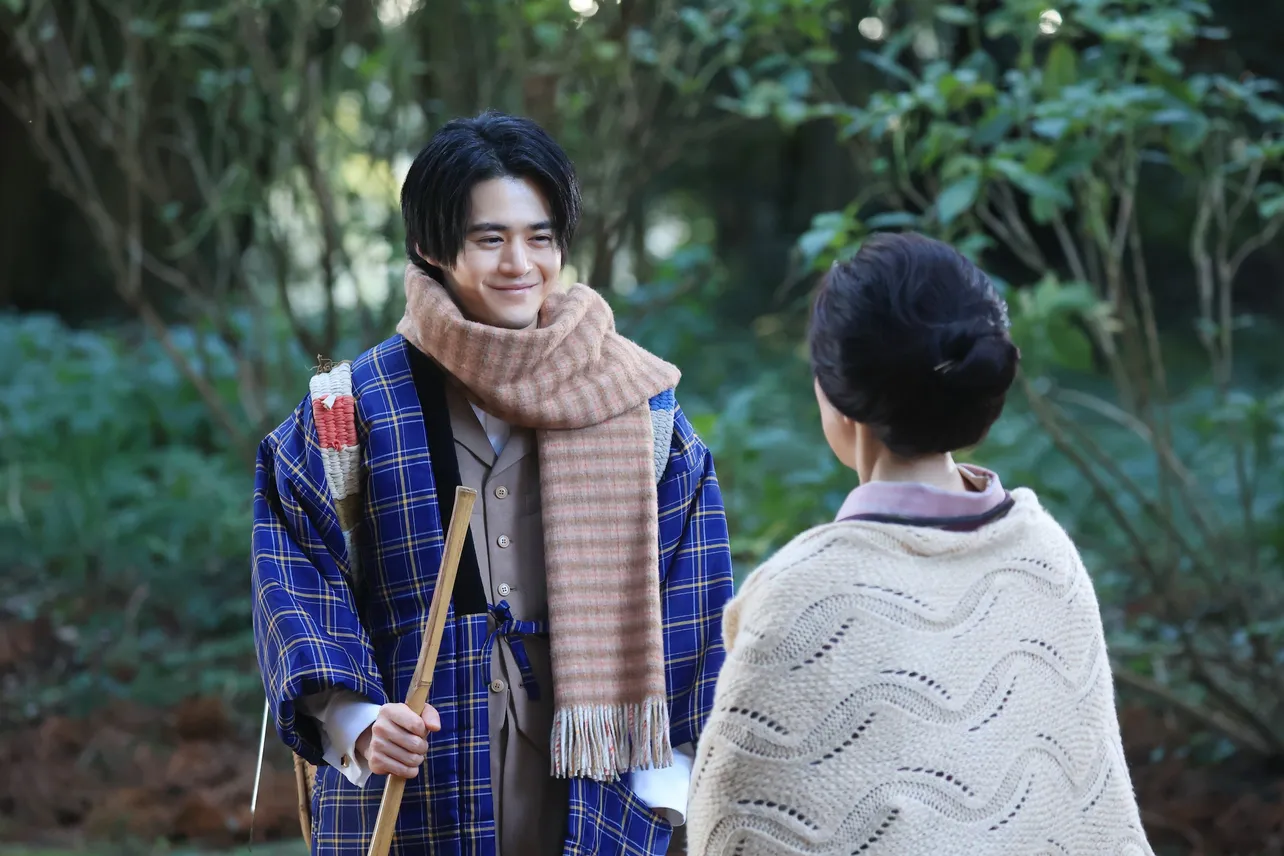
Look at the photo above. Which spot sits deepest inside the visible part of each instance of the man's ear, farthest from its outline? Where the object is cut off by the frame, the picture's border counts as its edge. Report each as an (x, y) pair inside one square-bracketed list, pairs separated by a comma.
[(432, 262)]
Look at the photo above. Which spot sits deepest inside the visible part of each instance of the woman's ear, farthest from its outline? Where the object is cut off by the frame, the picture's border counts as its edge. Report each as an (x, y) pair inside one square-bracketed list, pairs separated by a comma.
[(868, 450)]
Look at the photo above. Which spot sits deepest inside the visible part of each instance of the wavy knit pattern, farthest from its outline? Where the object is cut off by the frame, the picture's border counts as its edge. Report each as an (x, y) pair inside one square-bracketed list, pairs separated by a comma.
[(906, 691)]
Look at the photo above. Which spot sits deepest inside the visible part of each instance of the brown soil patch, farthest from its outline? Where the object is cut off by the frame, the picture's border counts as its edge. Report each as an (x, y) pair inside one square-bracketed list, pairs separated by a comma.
[(186, 775)]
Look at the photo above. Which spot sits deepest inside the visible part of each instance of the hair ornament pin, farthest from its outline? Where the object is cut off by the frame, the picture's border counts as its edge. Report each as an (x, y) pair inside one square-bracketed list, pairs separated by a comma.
[(944, 367)]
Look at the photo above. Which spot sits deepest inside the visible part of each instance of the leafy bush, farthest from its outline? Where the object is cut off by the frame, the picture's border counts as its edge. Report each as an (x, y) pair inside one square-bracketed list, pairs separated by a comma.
[(1042, 143), (126, 520)]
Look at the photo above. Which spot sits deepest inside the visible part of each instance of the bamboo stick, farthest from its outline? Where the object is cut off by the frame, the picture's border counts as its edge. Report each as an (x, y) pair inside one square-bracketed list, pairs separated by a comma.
[(421, 682), (304, 792)]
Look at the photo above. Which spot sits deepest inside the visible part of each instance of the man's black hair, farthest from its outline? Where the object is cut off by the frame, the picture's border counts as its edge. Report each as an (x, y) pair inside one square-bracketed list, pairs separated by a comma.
[(437, 193)]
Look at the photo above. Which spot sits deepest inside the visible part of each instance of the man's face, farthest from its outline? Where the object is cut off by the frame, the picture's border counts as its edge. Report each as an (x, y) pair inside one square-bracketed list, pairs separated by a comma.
[(510, 262)]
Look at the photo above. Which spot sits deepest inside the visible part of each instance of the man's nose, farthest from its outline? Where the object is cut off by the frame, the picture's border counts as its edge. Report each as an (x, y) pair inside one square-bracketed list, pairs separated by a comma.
[(514, 259)]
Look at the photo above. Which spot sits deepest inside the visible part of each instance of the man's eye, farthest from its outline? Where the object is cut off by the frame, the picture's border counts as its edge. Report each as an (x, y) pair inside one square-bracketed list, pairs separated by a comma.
[(492, 240), (544, 239)]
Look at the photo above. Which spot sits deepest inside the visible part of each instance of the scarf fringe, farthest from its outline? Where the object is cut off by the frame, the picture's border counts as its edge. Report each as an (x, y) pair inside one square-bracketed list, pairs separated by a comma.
[(599, 741)]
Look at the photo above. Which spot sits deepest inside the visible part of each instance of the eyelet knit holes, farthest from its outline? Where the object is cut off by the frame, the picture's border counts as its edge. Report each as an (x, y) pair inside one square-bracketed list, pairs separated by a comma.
[(828, 646), (1050, 739), (896, 592), (1105, 783), (1019, 805), (975, 624), (758, 717), (1046, 647), (923, 679), (1002, 704), (878, 833), (847, 744), (940, 774), (784, 809)]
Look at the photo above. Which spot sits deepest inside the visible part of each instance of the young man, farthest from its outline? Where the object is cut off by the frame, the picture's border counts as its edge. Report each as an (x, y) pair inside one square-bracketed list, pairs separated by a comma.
[(578, 664)]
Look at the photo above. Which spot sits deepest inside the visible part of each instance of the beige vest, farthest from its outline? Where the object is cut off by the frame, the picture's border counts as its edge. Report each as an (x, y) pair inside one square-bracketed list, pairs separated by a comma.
[(507, 530), (508, 533)]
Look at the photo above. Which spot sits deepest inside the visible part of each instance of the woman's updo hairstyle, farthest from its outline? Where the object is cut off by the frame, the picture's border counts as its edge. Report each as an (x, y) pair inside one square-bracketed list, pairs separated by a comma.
[(911, 339)]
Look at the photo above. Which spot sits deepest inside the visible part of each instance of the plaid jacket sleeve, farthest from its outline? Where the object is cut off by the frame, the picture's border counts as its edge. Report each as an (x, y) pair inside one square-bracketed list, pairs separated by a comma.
[(307, 632), (695, 557)]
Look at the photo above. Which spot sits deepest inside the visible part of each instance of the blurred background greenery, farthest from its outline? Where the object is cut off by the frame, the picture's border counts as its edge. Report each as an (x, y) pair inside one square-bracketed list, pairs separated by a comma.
[(199, 198)]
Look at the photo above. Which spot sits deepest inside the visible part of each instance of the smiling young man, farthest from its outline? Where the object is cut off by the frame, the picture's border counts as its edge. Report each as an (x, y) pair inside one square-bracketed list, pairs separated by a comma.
[(578, 663)]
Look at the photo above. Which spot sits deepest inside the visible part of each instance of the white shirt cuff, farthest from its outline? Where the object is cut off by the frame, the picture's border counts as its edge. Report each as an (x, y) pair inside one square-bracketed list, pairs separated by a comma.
[(665, 790), (343, 715)]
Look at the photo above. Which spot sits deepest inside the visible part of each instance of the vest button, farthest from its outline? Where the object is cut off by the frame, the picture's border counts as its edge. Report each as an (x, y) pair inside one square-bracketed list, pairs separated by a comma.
[(501, 492), (503, 541), (504, 589), (497, 686)]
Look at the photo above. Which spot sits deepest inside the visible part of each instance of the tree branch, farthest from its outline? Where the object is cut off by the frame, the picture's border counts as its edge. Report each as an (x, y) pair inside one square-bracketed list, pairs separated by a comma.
[(1069, 249), (1255, 243), (1033, 261), (209, 395), (1210, 719)]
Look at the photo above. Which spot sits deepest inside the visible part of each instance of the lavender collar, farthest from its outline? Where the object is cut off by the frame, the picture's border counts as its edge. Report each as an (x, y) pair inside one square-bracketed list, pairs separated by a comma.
[(923, 505)]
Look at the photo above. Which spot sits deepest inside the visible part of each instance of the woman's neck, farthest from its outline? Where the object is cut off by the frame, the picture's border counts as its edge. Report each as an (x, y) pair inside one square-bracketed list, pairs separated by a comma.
[(937, 471)]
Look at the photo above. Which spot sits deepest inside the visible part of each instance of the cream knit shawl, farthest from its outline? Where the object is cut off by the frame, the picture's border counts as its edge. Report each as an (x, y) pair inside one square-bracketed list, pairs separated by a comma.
[(903, 691)]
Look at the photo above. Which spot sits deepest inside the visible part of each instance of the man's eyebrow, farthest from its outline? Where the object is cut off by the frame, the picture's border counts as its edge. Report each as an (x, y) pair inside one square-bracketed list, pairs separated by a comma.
[(542, 225)]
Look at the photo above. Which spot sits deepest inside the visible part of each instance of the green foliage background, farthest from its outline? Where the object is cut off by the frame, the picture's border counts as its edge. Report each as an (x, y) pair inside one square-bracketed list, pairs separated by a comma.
[(1116, 167)]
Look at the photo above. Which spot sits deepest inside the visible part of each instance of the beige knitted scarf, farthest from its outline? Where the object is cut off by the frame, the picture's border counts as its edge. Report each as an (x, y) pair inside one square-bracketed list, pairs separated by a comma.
[(585, 389)]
